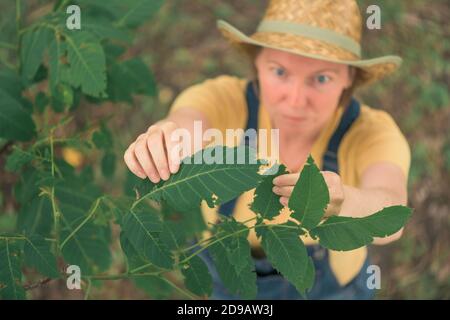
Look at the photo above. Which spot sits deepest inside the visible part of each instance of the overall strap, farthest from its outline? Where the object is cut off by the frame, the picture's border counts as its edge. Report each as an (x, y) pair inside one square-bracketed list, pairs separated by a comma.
[(227, 208), (330, 160)]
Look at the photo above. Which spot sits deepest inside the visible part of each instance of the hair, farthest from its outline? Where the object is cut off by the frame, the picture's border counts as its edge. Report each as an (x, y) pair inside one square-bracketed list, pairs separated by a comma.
[(253, 52)]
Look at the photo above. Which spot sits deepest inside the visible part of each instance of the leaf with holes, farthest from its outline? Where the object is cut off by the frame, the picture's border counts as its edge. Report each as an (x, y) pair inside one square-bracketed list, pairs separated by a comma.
[(265, 201), (216, 182)]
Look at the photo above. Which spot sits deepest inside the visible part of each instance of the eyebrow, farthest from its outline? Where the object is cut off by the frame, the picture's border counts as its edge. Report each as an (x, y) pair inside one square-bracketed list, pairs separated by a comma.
[(328, 69), (317, 71)]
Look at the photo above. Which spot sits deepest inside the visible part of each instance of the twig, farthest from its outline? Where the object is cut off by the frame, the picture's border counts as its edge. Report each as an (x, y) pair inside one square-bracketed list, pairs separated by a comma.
[(37, 284)]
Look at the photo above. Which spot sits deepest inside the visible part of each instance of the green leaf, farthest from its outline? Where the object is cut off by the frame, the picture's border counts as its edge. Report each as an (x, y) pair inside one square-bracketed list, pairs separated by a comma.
[(15, 121), (104, 30), (108, 164), (197, 277), (173, 235), (130, 77), (87, 63), (266, 202), (192, 221), (83, 242), (33, 44), (17, 159), (103, 138), (310, 196), (41, 101), (288, 254), (35, 217), (37, 254), (237, 245), (10, 272), (143, 228), (242, 284), (10, 82), (345, 233), (196, 182), (138, 11), (57, 51)]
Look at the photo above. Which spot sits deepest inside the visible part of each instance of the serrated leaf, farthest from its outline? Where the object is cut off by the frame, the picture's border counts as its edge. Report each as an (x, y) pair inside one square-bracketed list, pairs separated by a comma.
[(35, 217), (85, 243), (287, 253), (238, 248), (196, 182), (15, 121), (173, 235), (33, 44), (265, 201), (130, 77), (345, 233), (310, 196), (198, 280), (242, 284), (37, 254), (10, 272), (143, 229), (87, 63)]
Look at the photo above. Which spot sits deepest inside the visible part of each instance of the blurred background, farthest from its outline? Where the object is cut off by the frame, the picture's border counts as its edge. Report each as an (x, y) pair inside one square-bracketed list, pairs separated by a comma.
[(182, 46)]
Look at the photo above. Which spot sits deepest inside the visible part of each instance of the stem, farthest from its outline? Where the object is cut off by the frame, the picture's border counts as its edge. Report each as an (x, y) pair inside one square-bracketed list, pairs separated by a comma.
[(7, 45), (123, 275), (192, 297), (22, 238), (37, 284), (56, 213), (232, 234), (18, 13), (88, 289), (212, 237), (89, 216)]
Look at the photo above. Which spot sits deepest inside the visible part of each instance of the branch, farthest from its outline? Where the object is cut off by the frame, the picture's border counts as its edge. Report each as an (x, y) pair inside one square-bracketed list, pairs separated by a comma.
[(35, 285)]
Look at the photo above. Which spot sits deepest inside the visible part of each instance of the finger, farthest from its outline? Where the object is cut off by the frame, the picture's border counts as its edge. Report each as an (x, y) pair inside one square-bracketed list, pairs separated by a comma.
[(132, 162), (284, 201), (172, 147), (144, 158), (157, 150), (283, 191), (289, 179)]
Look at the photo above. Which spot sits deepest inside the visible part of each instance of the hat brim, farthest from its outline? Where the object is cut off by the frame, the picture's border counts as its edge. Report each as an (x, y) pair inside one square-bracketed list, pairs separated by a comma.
[(371, 69)]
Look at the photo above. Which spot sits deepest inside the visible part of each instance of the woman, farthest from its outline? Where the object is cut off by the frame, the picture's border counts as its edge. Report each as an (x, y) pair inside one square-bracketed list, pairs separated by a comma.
[(307, 59)]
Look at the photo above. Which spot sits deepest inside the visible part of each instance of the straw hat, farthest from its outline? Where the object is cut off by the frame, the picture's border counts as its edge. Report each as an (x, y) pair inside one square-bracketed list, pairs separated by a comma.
[(329, 30)]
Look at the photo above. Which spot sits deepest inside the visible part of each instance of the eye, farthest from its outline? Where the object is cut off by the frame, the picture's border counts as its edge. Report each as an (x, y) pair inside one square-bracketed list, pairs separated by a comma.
[(322, 79), (280, 72)]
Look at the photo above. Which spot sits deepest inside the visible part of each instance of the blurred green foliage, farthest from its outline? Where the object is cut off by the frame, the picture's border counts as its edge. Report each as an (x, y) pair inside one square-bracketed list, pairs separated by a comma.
[(183, 47)]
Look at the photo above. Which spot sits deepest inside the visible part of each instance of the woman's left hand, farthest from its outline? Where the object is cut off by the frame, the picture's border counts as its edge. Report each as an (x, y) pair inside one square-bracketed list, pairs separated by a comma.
[(284, 184)]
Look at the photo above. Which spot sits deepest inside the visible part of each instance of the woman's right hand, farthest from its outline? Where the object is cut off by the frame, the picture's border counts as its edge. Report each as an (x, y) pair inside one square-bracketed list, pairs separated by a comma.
[(152, 153)]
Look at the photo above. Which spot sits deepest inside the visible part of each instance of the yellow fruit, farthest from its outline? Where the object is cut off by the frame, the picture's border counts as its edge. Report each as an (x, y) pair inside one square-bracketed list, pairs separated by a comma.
[(73, 157)]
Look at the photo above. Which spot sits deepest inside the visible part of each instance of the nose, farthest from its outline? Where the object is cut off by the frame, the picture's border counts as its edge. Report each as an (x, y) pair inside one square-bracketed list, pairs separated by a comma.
[(297, 96)]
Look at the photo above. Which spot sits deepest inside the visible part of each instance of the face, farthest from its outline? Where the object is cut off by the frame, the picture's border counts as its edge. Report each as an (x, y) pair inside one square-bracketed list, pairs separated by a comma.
[(299, 93)]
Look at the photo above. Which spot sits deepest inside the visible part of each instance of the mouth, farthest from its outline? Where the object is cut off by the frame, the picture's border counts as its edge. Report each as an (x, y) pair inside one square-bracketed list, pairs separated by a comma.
[(293, 118)]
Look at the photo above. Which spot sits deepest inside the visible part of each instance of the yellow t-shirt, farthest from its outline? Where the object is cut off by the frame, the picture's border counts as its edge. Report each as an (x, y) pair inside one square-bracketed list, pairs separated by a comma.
[(372, 138)]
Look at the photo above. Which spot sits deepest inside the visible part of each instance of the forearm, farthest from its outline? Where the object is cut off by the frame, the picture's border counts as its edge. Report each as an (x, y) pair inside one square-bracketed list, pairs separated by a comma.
[(362, 202)]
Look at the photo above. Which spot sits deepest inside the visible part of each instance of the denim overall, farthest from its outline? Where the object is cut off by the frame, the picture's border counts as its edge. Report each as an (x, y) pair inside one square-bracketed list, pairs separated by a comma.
[(272, 285)]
